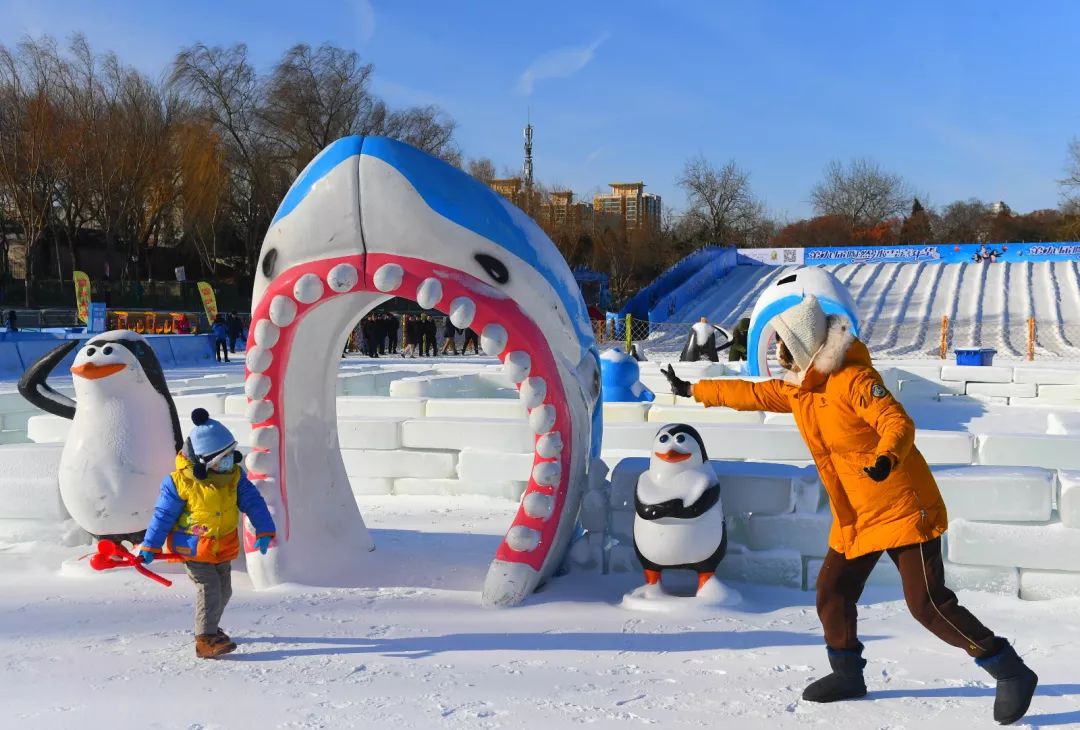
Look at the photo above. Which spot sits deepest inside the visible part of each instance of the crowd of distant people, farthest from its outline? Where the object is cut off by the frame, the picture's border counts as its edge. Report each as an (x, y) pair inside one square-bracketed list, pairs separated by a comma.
[(418, 335)]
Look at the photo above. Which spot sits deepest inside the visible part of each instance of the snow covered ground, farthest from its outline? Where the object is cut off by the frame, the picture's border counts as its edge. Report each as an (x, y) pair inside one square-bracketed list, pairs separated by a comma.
[(414, 649)]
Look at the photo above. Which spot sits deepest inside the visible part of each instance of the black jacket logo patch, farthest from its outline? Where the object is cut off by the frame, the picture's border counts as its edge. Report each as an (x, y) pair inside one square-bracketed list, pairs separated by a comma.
[(878, 390)]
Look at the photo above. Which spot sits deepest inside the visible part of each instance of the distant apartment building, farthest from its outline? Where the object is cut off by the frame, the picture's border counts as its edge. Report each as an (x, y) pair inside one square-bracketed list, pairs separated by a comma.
[(629, 201), (510, 188), (561, 210)]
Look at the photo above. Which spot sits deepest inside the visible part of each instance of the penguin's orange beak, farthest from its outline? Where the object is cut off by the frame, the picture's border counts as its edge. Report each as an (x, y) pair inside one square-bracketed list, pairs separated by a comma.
[(672, 456), (90, 371)]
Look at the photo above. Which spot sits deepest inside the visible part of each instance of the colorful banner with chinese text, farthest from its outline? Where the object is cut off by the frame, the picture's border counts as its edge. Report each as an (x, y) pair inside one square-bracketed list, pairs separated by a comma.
[(82, 295), (206, 293)]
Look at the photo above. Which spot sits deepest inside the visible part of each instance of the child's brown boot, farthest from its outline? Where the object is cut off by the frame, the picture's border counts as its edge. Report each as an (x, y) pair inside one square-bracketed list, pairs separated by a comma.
[(210, 646)]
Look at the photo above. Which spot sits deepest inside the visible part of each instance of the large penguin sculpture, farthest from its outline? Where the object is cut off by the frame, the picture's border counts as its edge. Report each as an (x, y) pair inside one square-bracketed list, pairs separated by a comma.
[(124, 434), (679, 521)]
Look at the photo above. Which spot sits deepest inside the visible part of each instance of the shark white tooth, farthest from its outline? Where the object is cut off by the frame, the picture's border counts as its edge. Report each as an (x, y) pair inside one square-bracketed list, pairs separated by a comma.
[(388, 277), (538, 505), (493, 339), (258, 359), (462, 311), (517, 365), (547, 473), (265, 437), (259, 411), (523, 539), (256, 386), (542, 418), (550, 445), (533, 391), (266, 333), (262, 462), (282, 310), (308, 289), (429, 293), (342, 278)]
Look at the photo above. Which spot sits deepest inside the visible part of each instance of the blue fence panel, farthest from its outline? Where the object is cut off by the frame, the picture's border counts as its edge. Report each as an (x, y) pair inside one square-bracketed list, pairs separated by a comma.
[(692, 288), (648, 298)]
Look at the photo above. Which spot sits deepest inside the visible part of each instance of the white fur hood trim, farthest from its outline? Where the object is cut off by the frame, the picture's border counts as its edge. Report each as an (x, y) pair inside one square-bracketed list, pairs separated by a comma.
[(831, 356)]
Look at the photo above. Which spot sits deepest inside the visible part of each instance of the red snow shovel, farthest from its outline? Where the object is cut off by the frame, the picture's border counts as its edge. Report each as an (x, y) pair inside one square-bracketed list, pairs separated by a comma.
[(111, 555)]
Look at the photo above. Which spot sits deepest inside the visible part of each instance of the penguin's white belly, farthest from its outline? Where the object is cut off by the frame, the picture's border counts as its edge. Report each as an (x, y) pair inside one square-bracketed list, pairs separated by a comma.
[(116, 454), (673, 541)]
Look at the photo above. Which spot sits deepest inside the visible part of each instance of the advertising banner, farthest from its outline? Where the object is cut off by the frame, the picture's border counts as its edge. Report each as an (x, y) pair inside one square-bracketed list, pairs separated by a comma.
[(772, 256), (945, 253), (82, 295), (96, 323), (206, 293)]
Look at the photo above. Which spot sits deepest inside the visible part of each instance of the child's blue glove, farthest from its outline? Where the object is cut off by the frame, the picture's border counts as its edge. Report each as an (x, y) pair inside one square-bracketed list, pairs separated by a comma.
[(263, 543), (147, 556)]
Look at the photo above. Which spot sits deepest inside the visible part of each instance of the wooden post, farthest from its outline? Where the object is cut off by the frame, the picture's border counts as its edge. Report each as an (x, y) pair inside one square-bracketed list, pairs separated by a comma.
[(629, 333), (1031, 338), (944, 336)]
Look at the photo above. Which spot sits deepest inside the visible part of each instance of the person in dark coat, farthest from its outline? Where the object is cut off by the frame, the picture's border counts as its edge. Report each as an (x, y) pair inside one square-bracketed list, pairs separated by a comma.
[(739, 337), (393, 328), (221, 337), (449, 332), (470, 338), (371, 344), (12, 324), (236, 328), (412, 336), (431, 335)]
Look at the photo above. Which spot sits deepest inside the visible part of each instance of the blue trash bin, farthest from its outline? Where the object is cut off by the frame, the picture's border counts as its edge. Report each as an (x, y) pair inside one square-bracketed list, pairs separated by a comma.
[(979, 356)]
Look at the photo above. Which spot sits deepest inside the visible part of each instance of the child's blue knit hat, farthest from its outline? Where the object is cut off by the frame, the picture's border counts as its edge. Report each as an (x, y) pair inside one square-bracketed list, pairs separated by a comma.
[(209, 437)]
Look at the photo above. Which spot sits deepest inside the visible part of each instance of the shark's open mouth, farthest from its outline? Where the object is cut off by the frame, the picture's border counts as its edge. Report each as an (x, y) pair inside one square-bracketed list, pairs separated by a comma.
[(302, 313)]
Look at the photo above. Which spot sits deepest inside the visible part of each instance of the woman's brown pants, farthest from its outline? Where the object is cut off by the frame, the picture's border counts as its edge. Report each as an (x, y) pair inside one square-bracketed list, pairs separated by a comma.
[(841, 582)]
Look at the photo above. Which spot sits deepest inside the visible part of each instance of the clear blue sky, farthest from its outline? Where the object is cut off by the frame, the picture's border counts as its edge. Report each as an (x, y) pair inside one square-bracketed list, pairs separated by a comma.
[(961, 98)]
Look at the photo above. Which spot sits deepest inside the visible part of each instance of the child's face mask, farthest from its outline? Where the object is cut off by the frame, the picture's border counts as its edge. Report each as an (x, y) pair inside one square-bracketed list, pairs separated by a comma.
[(222, 464)]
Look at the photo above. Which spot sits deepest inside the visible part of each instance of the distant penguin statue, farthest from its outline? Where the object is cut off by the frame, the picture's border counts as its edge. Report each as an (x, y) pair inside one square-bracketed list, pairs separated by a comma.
[(125, 433), (620, 376), (679, 520), (704, 342)]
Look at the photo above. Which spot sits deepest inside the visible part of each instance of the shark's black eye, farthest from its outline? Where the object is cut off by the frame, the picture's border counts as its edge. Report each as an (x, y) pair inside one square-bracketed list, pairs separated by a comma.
[(268, 263), (495, 269)]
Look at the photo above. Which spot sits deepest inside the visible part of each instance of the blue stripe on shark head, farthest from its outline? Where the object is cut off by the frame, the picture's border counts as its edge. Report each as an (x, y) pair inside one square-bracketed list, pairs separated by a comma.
[(316, 170), (467, 202)]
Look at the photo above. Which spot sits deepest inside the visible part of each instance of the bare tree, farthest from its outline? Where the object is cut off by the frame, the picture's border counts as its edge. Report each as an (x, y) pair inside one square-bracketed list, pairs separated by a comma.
[(1070, 184), (861, 193), (963, 221), (315, 96), (482, 169), (722, 207), (28, 142)]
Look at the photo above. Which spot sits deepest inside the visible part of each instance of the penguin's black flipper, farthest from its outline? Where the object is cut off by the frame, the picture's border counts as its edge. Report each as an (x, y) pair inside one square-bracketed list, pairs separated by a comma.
[(32, 385)]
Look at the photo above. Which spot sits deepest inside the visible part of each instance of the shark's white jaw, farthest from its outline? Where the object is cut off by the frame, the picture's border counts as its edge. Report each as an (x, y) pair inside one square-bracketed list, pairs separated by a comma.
[(307, 301)]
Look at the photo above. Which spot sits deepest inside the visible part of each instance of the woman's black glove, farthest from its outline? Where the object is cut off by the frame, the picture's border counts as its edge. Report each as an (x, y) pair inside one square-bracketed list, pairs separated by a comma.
[(678, 387), (881, 469)]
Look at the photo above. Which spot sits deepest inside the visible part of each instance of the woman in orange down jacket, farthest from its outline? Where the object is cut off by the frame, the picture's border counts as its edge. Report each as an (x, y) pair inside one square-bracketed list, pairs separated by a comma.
[(882, 495)]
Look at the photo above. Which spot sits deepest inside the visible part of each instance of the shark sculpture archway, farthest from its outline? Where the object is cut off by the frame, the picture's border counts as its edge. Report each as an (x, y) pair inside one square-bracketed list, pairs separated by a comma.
[(370, 219)]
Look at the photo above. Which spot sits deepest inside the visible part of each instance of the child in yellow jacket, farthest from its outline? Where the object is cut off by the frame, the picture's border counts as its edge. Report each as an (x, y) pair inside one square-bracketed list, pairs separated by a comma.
[(198, 514)]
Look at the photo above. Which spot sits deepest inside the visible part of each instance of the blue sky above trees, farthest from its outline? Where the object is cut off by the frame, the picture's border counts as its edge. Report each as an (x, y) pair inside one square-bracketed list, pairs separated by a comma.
[(963, 99)]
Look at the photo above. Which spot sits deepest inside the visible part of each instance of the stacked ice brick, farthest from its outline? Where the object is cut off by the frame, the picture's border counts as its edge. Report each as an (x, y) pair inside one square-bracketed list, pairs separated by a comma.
[(453, 427)]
